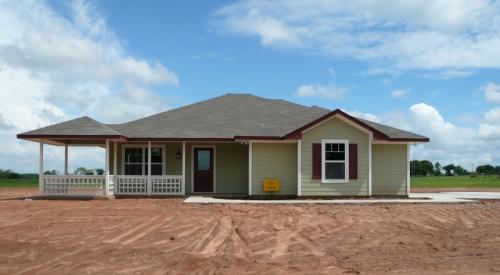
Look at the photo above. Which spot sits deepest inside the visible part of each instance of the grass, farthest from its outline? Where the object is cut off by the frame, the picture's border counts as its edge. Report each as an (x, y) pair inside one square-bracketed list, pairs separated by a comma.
[(456, 182), (28, 182)]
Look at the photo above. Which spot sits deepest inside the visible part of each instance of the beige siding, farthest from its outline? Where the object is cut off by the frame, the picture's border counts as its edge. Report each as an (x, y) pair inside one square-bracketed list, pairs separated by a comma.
[(231, 168), (335, 129), (389, 169), (274, 160)]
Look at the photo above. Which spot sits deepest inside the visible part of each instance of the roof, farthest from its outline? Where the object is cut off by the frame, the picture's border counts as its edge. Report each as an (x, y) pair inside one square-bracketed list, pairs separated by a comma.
[(83, 127), (227, 117)]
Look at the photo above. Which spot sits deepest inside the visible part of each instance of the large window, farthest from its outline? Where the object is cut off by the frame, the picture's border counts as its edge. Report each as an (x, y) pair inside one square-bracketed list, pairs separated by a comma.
[(335, 161), (135, 160)]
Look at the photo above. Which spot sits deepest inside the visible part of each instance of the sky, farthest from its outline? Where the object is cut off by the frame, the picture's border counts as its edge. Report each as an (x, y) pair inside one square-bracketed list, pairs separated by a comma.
[(431, 67)]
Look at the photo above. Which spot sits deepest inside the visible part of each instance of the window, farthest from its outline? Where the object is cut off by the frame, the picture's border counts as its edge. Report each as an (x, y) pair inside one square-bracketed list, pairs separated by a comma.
[(335, 161), (135, 160)]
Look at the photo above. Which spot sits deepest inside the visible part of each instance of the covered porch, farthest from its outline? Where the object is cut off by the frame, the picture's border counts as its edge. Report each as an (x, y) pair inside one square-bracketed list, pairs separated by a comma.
[(131, 169)]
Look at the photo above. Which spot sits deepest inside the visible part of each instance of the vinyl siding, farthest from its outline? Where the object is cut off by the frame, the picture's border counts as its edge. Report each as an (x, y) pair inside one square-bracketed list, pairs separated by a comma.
[(274, 160), (389, 169), (334, 129), (231, 168)]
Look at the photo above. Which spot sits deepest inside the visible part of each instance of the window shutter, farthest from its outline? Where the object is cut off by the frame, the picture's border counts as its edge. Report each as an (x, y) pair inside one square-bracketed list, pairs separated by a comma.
[(316, 161), (353, 161)]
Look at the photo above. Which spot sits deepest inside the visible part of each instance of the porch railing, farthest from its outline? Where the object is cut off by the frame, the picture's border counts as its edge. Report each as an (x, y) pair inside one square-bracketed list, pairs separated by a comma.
[(73, 185), (139, 185)]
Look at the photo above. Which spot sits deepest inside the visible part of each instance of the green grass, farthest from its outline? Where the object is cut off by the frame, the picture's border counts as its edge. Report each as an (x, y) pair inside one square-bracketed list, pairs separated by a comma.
[(28, 182), (456, 182)]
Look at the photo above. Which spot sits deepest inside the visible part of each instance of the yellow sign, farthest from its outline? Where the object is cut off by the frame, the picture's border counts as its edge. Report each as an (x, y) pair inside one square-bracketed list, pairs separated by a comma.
[(271, 185)]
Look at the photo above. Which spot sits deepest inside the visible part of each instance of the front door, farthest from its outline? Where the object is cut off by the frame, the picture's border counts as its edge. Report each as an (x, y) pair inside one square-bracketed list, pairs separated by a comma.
[(203, 175)]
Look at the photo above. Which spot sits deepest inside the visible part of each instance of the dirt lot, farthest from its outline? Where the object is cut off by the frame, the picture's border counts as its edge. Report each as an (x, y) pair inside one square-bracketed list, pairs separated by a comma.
[(167, 236)]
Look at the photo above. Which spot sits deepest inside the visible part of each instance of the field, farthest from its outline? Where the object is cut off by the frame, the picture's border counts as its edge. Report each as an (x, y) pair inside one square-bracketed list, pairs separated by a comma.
[(167, 236), (28, 182), (456, 182)]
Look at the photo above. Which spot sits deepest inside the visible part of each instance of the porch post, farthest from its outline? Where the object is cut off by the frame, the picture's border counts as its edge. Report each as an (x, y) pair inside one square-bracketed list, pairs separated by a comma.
[(106, 189), (65, 159), (149, 168), (299, 167), (115, 155), (40, 170), (250, 168), (183, 168)]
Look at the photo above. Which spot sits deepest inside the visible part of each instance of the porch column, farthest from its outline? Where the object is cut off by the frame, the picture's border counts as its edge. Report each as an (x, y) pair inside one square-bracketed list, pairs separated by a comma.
[(183, 168), (408, 180), (40, 170), (250, 168), (65, 159), (106, 188), (149, 169), (299, 167), (115, 155)]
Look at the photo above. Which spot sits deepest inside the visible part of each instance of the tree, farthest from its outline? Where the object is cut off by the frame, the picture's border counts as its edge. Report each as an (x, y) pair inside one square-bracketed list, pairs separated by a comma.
[(8, 174), (81, 171), (449, 169), (99, 171), (497, 170), (51, 172), (437, 169), (485, 169), (421, 168), (459, 170)]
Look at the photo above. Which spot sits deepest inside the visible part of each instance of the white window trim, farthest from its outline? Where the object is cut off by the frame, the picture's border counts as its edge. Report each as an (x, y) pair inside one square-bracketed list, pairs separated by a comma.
[(346, 173), (144, 160)]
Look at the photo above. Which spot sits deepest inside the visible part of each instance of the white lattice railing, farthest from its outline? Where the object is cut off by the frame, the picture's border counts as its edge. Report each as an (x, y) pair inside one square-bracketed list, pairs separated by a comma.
[(74, 185), (166, 185), (138, 185)]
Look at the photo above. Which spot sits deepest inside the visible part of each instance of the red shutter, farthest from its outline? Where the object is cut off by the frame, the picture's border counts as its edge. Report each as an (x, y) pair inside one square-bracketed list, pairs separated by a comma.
[(316, 161), (353, 161)]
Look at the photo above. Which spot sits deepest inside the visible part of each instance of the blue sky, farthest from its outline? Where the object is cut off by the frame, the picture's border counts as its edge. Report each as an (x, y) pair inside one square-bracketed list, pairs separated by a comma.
[(425, 66)]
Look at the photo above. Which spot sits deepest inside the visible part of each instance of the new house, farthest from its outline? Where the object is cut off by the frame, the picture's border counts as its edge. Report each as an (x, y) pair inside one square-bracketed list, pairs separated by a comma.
[(231, 145)]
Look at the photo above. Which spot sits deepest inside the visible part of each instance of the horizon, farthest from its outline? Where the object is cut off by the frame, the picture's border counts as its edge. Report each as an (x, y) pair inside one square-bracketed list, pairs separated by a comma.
[(406, 65)]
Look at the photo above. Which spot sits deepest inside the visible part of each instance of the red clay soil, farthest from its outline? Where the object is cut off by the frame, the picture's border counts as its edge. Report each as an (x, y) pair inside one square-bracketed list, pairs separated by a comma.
[(168, 236)]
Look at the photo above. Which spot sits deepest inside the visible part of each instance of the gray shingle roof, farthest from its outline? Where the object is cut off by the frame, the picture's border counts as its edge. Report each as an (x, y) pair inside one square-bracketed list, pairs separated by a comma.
[(223, 117), (83, 126)]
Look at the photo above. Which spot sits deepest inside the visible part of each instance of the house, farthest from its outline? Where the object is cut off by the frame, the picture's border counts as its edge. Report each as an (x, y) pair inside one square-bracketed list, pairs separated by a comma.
[(230, 145)]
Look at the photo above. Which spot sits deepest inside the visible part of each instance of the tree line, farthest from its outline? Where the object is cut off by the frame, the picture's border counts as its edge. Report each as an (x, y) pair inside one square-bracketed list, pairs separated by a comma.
[(9, 174), (427, 168)]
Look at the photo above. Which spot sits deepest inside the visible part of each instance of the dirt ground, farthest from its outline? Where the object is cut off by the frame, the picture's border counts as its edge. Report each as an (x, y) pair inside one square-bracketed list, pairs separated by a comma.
[(168, 236)]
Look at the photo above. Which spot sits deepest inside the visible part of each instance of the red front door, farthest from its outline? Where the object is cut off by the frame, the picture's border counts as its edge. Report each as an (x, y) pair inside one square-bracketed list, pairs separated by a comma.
[(203, 175)]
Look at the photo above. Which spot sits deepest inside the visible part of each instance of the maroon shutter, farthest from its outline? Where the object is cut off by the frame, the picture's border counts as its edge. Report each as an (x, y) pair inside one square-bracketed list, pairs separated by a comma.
[(353, 161), (316, 161)]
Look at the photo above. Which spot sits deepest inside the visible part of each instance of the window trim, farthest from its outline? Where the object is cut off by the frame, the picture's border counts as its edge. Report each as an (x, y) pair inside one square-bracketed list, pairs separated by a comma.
[(144, 148), (346, 161)]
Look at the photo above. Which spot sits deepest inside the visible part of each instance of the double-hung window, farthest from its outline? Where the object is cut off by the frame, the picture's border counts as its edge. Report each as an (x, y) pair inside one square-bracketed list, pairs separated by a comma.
[(335, 161), (135, 160)]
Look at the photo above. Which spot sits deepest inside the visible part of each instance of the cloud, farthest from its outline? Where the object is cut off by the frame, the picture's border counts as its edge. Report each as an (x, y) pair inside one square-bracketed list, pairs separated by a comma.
[(450, 143), (55, 66), (320, 91), (447, 37), (363, 115), (399, 93), (492, 92)]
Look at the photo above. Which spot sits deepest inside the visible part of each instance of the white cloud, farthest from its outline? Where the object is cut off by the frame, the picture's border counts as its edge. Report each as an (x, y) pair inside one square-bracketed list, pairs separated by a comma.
[(56, 66), (331, 71), (450, 143), (492, 92), (448, 37), (320, 91), (399, 93), (363, 115)]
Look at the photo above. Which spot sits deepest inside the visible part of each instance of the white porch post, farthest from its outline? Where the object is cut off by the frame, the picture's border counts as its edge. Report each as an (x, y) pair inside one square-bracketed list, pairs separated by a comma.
[(40, 170), (408, 187), (115, 155), (149, 168), (299, 167), (370, 146), (106, 188), (183, 168), (65, 159), (250, 168)]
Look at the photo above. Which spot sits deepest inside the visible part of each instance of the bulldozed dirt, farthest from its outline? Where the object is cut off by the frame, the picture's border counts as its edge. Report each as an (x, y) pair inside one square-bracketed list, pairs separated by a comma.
[(167, 236)]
